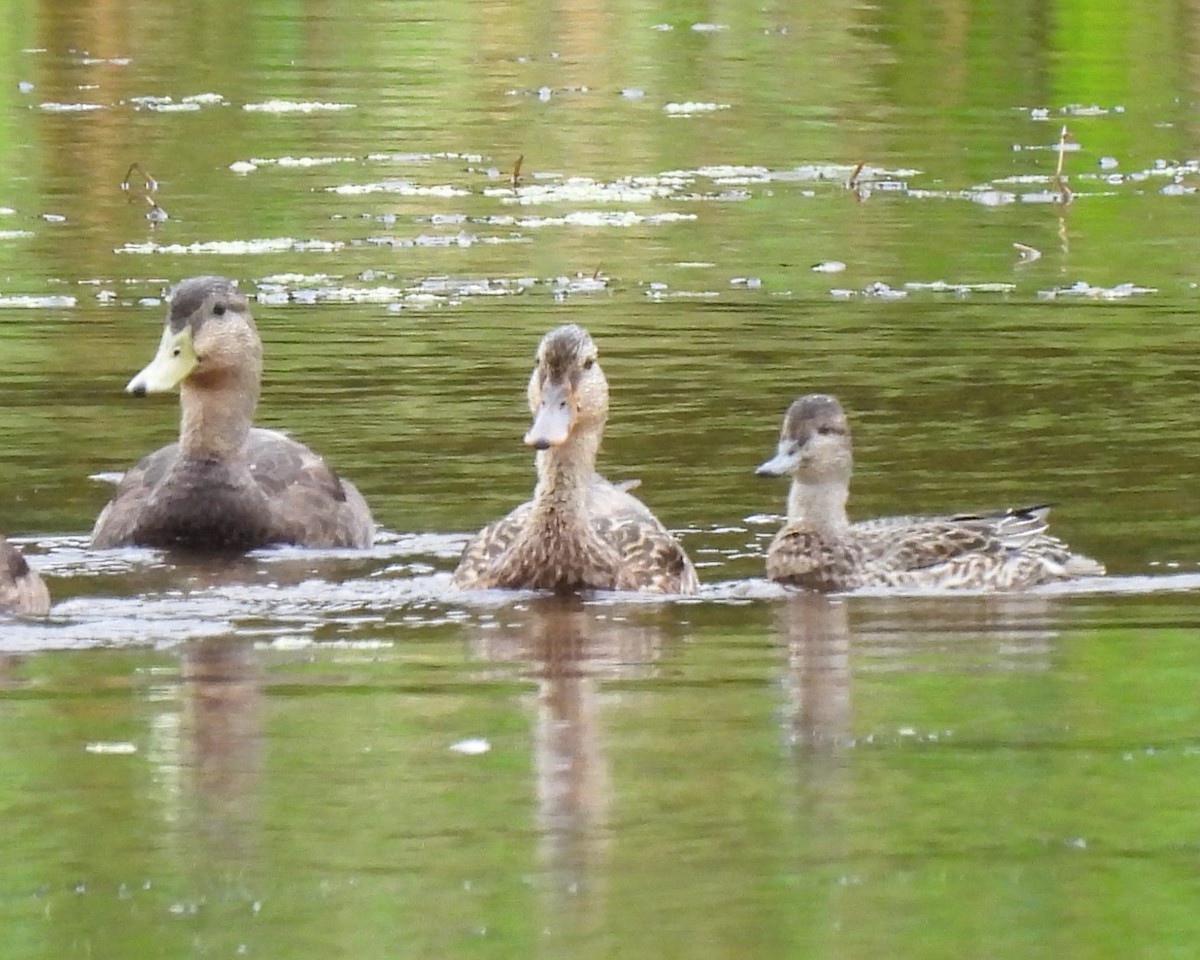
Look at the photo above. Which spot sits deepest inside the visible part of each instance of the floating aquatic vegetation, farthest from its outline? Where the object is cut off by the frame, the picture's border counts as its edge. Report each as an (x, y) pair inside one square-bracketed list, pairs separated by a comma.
[(293, 106), (345, 294), (52, 302), (1027, 253), (70, 107), (961, 289), (472, 746), (460, 239), (429, 291), (301, 161), (877, 291), (402, 157), (405, 188), (584, 190), (662, 291), (581, 284), (296, 278), (1088, 110), (1074, 109), (1081, 288), (598, 218), (690, 107), (164, 104), (992, 198), (235, 247)]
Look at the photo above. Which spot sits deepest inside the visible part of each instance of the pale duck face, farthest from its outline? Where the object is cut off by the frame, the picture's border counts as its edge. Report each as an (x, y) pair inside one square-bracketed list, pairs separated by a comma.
[(209, 335), (814, 442), (567, 391)]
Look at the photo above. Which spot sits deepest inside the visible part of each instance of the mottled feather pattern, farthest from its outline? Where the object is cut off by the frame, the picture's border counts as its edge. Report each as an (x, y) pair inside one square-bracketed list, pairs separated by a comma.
[(1008, 550), (21, 589), (819, 549), (621, 547), (579, 531)]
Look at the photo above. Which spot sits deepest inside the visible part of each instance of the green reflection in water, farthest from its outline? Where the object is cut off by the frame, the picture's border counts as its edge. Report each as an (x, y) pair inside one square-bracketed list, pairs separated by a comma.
[(884, 777)]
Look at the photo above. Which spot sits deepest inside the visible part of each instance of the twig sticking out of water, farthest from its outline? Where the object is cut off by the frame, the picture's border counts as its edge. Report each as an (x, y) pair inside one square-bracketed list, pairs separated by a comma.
[(1060, 184), (852, 183), (135, 193), (516, 174)]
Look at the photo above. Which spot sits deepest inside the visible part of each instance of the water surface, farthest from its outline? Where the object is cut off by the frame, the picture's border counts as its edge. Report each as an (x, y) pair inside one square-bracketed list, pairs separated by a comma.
[(331, 753)]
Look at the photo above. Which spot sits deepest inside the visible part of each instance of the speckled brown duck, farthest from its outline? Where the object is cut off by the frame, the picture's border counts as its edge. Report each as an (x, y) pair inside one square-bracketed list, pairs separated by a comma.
[(21, 589), (579, 531), (820, 549), (225, 486)]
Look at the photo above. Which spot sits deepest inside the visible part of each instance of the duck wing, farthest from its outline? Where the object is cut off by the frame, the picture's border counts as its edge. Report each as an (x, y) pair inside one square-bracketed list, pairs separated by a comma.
[(311, 505), (483, 551), (649, 557), (1004, 549), (1000, 550), (119, 520)]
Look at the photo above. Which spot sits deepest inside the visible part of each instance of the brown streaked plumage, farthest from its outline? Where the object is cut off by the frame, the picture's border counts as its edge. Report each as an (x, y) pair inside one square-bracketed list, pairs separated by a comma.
[(579, 531), (21, 589), (820, 549), (225, 486)]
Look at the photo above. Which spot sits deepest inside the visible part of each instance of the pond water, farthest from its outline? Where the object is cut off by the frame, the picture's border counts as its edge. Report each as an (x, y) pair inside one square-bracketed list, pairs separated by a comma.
[(310, 754)]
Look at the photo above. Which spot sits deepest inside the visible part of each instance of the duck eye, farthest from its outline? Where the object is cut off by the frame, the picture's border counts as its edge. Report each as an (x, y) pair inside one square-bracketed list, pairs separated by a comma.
[(219, 309), (589, 363), (827, 431), (176, 352)]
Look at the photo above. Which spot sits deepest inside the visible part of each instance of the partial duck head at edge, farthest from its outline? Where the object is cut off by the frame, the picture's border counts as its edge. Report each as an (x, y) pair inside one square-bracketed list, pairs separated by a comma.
[(568, 394)]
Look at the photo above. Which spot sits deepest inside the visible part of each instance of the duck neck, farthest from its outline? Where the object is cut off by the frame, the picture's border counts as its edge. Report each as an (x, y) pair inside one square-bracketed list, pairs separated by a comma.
[(216, 415), (564, 479), (820, 505)]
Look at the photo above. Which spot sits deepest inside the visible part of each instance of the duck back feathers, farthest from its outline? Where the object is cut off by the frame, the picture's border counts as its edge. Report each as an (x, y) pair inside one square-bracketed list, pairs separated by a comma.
[(21, 589)]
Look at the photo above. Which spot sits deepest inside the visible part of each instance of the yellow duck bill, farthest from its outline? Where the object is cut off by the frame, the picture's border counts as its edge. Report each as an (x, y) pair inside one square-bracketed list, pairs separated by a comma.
[(175, 359)]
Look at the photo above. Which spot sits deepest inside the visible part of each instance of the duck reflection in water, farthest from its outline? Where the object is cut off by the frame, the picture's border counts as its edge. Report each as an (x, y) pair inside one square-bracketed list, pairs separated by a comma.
[(571, 649), (211, 752), (816, 631)]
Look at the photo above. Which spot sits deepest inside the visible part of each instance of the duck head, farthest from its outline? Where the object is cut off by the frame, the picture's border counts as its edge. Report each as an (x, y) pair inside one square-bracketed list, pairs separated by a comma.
[(209, 339), (814, 443), (567, 392)]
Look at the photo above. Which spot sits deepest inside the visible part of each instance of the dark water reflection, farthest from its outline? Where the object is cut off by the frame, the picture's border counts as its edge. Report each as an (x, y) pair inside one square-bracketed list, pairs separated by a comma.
[(333, 754)]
